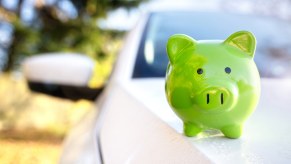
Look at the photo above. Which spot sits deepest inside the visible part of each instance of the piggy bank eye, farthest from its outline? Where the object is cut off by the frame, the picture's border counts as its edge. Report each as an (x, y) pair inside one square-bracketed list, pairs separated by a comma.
[(227, 70), (199, 71)]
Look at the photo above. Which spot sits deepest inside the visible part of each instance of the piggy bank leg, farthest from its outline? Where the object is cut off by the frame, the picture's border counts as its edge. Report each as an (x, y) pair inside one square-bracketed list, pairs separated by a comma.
[(233, 131), (191, 130)]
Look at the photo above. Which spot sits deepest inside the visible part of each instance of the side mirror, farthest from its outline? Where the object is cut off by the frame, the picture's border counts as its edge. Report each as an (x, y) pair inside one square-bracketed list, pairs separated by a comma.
[(64, 75)]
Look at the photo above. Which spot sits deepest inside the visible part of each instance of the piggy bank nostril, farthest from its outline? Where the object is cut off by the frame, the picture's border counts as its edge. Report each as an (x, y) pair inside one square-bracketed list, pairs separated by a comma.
[(221, 98), (215, 97)]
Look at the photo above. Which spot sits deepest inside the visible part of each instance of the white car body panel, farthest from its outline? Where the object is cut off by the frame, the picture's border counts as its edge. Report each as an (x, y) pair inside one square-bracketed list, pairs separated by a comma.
[(74, 144), (81, 145), (132, 134), (136, 124), (267, 134)]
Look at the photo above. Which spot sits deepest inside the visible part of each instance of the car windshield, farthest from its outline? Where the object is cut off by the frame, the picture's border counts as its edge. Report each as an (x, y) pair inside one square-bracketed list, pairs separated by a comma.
[(273, 54)]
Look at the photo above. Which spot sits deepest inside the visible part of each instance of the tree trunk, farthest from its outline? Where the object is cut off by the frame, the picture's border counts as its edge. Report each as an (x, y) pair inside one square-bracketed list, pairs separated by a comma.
[(11, 56), (11, 53), (19, 7)]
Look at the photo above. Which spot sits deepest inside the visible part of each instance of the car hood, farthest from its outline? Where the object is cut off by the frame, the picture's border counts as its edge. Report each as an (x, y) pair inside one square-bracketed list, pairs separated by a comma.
[(267, 132), (150, 92)]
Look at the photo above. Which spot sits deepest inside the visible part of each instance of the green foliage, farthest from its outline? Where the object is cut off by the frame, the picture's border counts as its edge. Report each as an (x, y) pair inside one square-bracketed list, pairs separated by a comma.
[(52, 30)]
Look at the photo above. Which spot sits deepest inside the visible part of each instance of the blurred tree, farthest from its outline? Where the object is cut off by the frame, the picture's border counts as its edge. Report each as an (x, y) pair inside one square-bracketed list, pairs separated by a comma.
[(52, 29)]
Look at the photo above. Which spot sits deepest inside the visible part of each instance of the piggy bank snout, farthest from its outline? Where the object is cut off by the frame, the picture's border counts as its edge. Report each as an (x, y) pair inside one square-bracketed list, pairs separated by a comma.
[(216, 98)]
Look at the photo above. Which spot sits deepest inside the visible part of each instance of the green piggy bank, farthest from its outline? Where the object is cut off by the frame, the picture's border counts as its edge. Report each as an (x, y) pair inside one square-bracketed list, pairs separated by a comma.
[(213, 84)]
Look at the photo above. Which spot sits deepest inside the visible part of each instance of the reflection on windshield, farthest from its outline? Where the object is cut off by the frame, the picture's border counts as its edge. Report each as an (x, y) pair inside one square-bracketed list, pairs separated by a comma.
[(273, 55)]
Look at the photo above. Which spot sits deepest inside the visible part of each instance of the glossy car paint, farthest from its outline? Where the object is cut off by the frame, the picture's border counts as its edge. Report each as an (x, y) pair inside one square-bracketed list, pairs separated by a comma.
[(83, 144), (271, 144)]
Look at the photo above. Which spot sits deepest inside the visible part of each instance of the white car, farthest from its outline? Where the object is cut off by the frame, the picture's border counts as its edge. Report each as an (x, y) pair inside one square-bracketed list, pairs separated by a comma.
[(133, 122)]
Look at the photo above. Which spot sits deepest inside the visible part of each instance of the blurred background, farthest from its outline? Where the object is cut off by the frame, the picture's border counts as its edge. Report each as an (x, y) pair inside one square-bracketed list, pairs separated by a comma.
[(33, 125)]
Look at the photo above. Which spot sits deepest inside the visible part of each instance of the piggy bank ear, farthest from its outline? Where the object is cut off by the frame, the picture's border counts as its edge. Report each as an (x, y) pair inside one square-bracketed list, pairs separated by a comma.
[(243, 40), (177, 44)]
